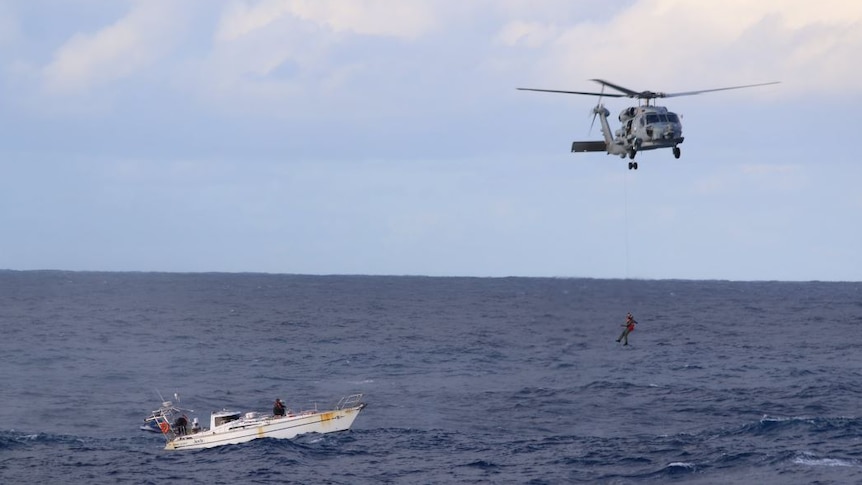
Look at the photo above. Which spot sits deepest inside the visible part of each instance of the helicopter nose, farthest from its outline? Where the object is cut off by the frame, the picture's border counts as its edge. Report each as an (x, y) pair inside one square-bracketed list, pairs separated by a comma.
[(672, 132)]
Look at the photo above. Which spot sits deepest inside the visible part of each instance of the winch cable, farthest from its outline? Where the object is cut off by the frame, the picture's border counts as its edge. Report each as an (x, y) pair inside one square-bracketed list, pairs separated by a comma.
[(626, 219)]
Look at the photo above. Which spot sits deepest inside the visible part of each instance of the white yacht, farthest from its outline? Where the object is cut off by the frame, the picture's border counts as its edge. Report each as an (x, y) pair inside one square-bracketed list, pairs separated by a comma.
[(231, 427)]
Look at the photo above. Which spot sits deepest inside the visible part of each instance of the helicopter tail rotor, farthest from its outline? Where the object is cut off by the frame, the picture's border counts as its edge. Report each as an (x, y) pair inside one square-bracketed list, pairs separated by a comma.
[(596, 109)]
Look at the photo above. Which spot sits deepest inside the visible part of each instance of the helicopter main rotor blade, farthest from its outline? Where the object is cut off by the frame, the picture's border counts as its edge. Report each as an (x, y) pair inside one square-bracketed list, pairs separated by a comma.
[(689, 93), (628, 92), (573, 92)]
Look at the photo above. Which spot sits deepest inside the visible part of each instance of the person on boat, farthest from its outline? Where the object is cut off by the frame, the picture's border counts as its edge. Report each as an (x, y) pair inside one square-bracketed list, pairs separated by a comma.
[(278, 408), (629, 328), (196, 426), (180, 425)]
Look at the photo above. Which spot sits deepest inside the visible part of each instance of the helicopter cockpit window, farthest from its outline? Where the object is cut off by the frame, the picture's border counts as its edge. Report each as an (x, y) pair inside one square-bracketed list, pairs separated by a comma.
[(672, 118), (652, 118)]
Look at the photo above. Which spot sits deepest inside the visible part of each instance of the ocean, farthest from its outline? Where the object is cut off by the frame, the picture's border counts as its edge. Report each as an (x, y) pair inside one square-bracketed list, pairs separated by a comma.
[(467, 380)]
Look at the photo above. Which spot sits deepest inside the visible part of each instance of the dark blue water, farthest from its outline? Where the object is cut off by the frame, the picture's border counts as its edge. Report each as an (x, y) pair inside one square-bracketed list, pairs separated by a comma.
[(504, 380)]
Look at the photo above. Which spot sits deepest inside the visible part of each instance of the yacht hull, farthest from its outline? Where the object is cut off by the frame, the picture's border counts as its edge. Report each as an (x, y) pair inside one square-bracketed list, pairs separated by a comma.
[(278, 427)]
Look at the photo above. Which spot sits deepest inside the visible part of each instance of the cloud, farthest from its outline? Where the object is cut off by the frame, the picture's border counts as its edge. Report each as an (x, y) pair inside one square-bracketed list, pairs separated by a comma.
[(332, 50), (530, 34), (393, 18), (657, 44), (311, 58), (118, 51), (10, 31), (326, 58), (677, 45)]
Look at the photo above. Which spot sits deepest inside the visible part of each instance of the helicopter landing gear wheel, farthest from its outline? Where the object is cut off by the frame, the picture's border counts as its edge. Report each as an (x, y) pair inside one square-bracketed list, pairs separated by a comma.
[(633, 165), (676, 152)]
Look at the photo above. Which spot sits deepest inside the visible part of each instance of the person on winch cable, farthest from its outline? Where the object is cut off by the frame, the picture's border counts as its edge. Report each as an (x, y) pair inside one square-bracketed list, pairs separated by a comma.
[(629, 328)]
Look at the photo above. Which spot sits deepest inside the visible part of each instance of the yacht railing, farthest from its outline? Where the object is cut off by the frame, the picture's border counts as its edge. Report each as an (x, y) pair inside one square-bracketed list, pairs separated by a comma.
[(350, 401)]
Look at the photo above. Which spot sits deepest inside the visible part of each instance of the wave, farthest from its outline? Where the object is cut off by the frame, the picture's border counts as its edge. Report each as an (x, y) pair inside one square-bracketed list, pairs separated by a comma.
[(687, 466), (776, 425), (675, 469), (13, 439), (810, 459)]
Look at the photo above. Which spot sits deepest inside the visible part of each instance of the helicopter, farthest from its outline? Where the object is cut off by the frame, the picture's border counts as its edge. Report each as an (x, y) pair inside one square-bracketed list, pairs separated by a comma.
[(644, 127)]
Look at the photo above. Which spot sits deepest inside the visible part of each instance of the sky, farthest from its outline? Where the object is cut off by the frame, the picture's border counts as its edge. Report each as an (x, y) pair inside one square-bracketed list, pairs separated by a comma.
[(387, 137)]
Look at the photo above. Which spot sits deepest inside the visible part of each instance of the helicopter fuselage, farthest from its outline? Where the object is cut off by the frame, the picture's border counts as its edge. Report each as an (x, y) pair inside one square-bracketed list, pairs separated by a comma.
[(645, 127), (649, 127)]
